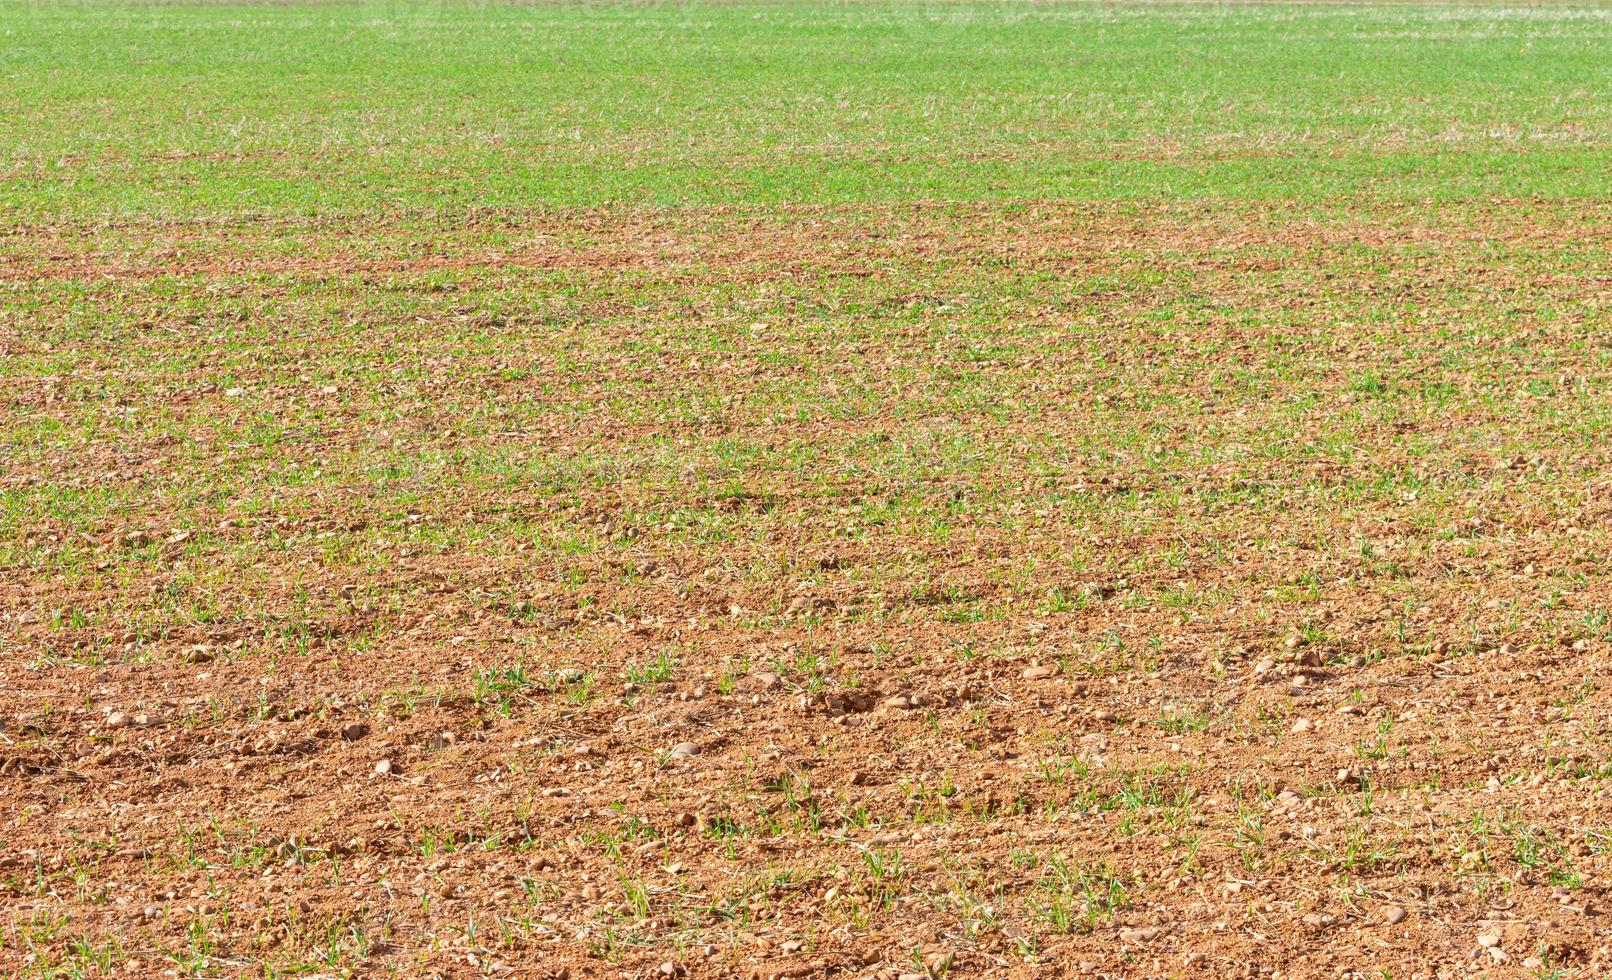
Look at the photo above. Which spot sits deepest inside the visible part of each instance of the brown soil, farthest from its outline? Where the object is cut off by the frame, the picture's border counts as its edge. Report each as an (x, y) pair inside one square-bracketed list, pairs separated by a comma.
[(1088, 707)]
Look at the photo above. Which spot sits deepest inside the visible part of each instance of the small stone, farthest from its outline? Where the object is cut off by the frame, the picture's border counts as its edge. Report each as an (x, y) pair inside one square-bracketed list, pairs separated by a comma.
[(234, 392), (685, 820), (1107, 716), (1039, 672), (1138, 935), (1395, 916), (900, 702), (383, 767), (591, 892), (685, 750), (119, 719), (1301, 726), (1347, 776), (354, 731), (569, 675), (939, 963), (1489, 940)]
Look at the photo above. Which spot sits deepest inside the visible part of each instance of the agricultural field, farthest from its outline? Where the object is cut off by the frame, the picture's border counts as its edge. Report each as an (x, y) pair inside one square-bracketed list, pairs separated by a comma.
[(853, 488)]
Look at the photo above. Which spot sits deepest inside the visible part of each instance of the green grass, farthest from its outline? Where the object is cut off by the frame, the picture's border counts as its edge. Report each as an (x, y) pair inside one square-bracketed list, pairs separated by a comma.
[(136, 110)]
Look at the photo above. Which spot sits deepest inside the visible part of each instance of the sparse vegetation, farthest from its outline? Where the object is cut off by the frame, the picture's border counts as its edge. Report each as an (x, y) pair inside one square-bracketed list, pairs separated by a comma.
[(956, 490)]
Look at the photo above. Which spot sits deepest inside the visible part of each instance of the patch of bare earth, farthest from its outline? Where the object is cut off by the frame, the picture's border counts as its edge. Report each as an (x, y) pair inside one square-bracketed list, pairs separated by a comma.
[(937, 591)]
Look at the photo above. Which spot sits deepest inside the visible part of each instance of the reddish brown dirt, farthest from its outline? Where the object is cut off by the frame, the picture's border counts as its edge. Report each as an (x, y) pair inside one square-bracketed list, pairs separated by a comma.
[(991, 673)]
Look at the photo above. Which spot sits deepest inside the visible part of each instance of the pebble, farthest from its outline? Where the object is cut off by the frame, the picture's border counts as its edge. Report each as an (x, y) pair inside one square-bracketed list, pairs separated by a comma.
[(1395, 916), (900, 702), (1106, 716), (119, 719), (685, 750), (1138, 935), (354, 731), (1302, 725), (1039, 672), (383, 767), (1489, 940)]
